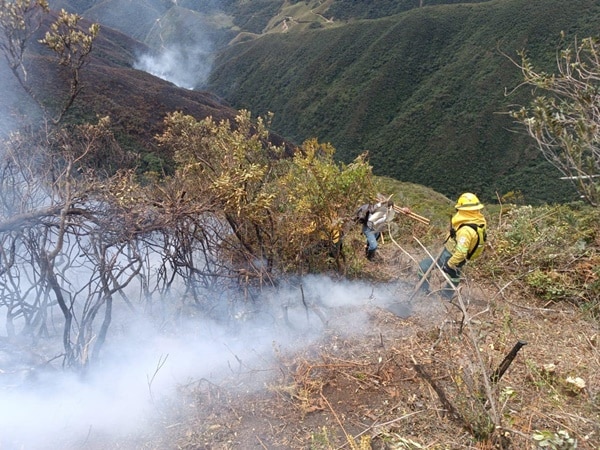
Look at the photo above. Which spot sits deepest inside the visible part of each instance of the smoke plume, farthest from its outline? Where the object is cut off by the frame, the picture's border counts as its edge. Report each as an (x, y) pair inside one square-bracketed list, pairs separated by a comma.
[(185, 66), (144, 363)]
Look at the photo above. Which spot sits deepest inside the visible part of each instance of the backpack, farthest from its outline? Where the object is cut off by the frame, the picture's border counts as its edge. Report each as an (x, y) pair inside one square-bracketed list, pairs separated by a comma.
[(481, 238), (362, 213), (380, 216)]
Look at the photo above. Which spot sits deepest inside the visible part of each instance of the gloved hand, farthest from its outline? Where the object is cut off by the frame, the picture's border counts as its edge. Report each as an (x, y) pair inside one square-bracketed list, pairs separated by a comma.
[(452, 273)]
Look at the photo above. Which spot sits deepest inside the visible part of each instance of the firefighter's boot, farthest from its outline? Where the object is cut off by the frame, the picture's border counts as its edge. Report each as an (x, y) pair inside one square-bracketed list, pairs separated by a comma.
[(371, 254)]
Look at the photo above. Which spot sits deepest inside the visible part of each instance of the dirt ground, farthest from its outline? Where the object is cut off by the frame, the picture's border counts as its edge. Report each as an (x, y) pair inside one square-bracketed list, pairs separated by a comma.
[(416, 382)]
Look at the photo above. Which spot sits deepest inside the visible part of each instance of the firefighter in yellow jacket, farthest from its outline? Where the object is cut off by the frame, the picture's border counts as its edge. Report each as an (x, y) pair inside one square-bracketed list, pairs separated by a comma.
[(465, 242)]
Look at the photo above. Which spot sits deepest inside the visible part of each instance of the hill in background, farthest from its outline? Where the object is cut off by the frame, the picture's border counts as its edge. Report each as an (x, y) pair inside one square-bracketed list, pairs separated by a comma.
[(422, 89), (136, 101)]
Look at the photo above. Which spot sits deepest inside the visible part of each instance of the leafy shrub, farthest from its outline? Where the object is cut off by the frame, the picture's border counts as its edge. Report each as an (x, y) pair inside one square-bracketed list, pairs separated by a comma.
[(553, 250)]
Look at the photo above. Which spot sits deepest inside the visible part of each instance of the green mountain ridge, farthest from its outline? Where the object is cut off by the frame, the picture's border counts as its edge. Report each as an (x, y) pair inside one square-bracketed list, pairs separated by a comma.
[(422, 91)]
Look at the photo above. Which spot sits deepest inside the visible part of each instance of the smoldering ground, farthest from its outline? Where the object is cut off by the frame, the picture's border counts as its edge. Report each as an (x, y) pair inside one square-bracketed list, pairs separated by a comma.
[(145, 360)]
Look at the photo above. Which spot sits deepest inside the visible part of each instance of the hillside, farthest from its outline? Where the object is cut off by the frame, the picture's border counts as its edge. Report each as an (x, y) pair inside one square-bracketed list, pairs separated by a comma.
[(326, 362), (422, 91), (420, 85), (332, 361), (208, 310), (136, 101)]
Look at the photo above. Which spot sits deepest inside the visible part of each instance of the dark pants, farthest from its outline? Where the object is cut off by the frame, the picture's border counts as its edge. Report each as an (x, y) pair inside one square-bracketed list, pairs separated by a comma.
[(448, 290), (372, 238)]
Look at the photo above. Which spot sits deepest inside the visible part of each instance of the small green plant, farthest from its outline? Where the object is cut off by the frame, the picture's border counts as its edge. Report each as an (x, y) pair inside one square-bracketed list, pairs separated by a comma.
[(555, 441), (507, 393), (548, 285), (320, 440)]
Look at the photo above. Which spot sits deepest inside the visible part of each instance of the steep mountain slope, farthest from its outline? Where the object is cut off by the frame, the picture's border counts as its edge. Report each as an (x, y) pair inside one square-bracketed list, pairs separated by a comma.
[(423, 91), (351, 9), (136, 101), (419, 84), (187, 25)]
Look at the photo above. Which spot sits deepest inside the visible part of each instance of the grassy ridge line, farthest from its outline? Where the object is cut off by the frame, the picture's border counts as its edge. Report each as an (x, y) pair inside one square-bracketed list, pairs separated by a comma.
[(423, 91)]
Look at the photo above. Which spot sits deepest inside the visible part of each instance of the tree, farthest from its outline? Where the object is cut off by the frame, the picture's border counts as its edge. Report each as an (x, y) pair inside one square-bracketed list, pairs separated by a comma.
[(63, 245), (231, 164), (565, 122), (53, 221), (19, 21), (72, 46), (278, 210), (319, 197)]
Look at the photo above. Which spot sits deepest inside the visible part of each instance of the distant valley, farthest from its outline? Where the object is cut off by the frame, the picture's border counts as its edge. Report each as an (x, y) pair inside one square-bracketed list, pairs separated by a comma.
[(425, 90)]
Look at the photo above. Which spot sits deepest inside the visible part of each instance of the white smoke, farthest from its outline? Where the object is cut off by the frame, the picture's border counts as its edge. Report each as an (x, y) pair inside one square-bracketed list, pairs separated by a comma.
[(142, 365), (9, 99), (186, 67), (181, 35)]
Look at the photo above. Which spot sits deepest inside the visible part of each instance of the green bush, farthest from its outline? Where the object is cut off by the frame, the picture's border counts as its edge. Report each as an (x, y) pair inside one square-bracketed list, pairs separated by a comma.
[(553, 250)]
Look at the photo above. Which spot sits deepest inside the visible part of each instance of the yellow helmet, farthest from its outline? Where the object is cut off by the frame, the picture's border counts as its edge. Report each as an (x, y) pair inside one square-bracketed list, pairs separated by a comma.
[(468, 202)]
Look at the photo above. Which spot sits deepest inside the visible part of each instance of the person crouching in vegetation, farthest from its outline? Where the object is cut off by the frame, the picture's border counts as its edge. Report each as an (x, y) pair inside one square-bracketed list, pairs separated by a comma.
[(465, 242), (373, 218)]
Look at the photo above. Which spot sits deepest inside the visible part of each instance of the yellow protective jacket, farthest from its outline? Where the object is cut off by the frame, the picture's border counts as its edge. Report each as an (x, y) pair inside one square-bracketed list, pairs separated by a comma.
[(466, 237)]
